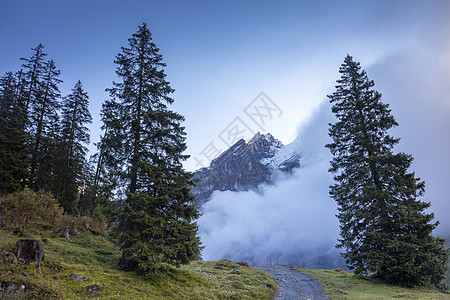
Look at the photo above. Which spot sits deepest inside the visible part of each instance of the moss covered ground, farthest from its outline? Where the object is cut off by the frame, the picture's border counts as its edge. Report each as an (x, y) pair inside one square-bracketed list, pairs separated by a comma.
[(95, 257)]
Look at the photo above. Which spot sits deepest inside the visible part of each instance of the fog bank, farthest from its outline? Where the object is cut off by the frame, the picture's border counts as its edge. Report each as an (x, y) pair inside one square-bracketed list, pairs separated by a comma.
[(290, 222)]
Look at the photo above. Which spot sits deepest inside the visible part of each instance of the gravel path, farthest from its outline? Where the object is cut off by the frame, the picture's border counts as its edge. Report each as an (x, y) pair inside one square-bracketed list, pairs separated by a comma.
[(294, 285)]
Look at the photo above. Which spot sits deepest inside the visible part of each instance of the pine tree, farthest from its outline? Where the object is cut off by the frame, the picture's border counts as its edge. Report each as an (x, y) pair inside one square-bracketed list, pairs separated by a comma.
[(144, 145), (14, 162), (72, 147), (20, 93), (86, 193), (102, 177), (383, 224), (34, 67), (44, 128)]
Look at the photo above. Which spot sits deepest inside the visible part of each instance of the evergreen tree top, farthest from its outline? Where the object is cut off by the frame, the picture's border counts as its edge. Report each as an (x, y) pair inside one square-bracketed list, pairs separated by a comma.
[(360, 113), (37, 57), (141, 68)]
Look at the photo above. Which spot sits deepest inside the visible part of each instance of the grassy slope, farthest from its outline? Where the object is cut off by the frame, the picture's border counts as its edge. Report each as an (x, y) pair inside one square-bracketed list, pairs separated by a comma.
[(338, 284), (96, 257)]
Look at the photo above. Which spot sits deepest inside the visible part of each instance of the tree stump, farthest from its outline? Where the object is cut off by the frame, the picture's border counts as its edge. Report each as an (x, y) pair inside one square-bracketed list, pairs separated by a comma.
[(64, 233), (73, 231), (30, 250), (85, 225)]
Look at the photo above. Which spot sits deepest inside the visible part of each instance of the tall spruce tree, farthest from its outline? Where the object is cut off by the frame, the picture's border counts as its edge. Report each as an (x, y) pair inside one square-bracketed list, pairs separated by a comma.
[(14, 163), (384, 227), (34, 68), (20, 93), (44, 128), (144, 145), (104, 181), (74, 137)]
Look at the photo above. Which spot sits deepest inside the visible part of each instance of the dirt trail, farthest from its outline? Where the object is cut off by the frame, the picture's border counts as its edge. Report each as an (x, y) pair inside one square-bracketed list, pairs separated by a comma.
[(294, 285)]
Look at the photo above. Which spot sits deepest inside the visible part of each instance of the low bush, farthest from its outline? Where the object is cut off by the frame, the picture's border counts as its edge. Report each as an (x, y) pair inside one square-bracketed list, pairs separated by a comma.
[(29, 209)]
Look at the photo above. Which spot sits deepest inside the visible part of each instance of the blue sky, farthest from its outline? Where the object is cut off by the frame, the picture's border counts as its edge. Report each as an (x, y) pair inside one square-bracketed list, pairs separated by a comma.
[(221, 55)]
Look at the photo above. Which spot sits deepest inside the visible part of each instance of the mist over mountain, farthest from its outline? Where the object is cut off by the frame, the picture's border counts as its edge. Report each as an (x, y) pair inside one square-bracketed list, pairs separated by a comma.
[(245, 166), (291, 221)]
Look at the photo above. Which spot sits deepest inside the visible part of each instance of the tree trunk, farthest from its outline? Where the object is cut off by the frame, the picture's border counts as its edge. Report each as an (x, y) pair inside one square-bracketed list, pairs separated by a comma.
[(64, 233)]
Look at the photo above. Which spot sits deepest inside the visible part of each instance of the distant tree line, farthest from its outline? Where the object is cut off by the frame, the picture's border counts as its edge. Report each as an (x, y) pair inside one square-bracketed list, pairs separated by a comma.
[(43, 135), (136, 179)]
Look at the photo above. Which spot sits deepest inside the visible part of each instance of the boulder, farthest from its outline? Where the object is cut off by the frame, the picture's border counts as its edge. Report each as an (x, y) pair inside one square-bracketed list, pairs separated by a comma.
[(79, 278), (11, 290), (93, 290), (30, 250)]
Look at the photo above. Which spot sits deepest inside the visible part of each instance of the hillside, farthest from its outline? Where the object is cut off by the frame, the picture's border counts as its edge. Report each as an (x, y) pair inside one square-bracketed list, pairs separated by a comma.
[(94, 256), (80, 260)]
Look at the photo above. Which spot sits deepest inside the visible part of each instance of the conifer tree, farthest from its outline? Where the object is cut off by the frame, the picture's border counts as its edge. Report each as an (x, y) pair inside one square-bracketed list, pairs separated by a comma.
[(14, 163), (72, 147), (384, 227), (86, 193), (44, 127), (34, 67), (103, 177), (144, 146)]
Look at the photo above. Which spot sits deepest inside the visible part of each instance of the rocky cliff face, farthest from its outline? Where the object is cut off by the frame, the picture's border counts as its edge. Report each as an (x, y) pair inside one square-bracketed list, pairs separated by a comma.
[(244, 166)]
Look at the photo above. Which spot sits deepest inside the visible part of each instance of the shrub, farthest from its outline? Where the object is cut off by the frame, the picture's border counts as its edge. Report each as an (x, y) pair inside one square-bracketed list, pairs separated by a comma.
[(29, 208), (85, 222)]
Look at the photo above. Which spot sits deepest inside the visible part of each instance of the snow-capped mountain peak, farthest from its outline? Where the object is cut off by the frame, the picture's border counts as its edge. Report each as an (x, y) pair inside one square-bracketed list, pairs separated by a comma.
[(244, 166)]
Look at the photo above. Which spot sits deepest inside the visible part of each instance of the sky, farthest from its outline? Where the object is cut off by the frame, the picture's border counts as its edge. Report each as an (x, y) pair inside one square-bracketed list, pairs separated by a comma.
[(248, 66), (221, 55)]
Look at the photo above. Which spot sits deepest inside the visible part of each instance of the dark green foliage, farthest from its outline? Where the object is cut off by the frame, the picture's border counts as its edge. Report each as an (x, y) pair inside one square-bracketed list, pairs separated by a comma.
[(104, 182), (141, 154), (34, 67), (87, 195), (14, 162), (44, 128), (72, 150), (40, 95), (384, 226), (37, 149)]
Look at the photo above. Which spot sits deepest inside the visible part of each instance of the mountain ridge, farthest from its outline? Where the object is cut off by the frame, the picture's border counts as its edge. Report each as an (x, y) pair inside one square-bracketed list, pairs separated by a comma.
[(244, 166)]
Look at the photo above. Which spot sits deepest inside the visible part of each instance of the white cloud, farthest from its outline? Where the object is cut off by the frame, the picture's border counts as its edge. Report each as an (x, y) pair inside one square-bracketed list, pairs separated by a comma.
[(291, 222)]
